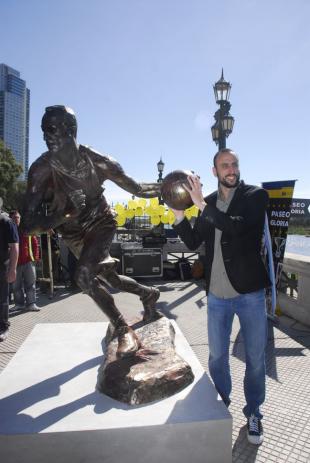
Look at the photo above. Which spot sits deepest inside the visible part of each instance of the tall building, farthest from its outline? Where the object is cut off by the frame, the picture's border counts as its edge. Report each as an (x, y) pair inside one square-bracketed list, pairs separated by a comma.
[(14, 115)]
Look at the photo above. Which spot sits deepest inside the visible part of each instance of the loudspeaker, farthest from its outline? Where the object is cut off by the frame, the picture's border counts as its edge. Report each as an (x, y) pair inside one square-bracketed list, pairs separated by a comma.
[(142, 262)]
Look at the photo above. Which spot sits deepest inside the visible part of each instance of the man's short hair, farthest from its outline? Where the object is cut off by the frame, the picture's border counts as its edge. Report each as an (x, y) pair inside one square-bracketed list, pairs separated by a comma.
[(65, 115), (13, 212), (223, 150)]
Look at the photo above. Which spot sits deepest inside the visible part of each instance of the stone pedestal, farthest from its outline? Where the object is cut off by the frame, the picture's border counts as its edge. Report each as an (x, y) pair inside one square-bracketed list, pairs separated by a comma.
[(50, 409)]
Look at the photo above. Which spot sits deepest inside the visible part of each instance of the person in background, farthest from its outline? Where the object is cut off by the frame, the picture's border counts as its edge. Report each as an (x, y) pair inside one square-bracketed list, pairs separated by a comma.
[(231, 223), (8, 262), (24, 287)]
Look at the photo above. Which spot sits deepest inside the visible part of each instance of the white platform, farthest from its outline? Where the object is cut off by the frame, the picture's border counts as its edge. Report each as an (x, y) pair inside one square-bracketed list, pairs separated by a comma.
[(48, 403)]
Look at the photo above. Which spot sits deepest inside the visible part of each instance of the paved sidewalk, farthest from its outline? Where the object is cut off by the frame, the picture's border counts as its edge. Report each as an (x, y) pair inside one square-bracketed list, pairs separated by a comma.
[(287, 407)]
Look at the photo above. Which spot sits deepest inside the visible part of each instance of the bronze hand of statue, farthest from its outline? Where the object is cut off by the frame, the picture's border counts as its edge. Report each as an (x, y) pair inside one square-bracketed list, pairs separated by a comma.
[(149, 190)]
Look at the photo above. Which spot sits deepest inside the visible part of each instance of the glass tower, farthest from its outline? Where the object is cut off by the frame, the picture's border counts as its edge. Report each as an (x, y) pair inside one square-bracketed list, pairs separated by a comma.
[(14, 115)]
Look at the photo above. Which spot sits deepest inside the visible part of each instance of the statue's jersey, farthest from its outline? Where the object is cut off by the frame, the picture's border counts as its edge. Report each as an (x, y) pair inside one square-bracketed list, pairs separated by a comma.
[(87, 177)]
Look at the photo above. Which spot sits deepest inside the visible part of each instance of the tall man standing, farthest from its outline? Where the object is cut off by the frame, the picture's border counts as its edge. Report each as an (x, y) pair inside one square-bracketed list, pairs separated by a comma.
[(24, 287), (65, 192), (231, 224), (8, 262)]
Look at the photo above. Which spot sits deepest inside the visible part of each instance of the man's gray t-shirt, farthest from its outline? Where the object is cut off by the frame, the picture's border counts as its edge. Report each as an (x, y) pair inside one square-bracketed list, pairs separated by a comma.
[(220, 285)]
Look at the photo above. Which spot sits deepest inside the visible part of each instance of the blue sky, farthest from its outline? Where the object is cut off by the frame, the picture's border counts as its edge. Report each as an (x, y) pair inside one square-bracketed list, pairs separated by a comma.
[(139, 76)]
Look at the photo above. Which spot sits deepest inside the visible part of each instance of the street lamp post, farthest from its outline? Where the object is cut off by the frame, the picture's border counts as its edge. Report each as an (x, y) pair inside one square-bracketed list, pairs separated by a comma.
[(160, 168), (224, 122)]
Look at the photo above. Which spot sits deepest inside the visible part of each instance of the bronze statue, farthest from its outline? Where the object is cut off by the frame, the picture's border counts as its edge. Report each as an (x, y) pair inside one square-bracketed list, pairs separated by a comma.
[(64, 191)]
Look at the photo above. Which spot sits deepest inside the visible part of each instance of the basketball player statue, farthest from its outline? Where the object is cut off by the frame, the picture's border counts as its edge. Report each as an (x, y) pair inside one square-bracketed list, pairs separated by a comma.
[(64, 191)]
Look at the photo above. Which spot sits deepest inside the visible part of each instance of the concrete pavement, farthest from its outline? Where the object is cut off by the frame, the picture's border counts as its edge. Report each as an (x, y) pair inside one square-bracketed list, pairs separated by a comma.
[(287, 407)]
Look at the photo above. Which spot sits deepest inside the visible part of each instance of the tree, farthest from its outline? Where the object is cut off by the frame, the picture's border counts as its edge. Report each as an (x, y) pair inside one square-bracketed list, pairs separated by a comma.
[(10, 188), (16, 195)]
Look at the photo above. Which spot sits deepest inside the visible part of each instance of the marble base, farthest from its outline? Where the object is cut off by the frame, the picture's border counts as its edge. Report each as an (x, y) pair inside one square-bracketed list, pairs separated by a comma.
[(50, 409)]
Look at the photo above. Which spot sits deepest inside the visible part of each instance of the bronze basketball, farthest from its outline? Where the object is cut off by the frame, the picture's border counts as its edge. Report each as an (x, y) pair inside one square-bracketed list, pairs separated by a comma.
[(173, 191)]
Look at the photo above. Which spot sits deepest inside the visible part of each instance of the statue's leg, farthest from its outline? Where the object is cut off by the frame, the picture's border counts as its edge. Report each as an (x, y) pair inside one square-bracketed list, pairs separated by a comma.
[(148, 296), (86, 277)]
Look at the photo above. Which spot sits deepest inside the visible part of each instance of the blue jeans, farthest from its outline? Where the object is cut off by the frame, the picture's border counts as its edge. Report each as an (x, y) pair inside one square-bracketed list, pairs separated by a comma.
[(24, 287), (251, 310)]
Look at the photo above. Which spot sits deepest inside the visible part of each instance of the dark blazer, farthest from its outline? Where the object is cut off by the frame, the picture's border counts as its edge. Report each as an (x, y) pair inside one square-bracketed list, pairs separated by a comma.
[(242, 229)]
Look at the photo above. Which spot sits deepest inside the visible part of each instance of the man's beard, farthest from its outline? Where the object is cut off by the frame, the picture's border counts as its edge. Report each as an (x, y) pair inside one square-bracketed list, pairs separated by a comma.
[(230, 185)]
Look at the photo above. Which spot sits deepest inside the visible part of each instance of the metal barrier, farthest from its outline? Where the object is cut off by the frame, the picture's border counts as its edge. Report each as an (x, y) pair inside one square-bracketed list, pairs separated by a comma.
[(294, 292)]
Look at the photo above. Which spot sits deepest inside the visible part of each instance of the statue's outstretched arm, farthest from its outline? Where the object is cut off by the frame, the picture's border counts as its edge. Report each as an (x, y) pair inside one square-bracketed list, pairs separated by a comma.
[(115, 173)]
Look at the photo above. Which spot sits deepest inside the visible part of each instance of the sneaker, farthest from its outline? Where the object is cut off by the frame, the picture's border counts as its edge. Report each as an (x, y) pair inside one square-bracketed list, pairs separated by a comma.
[(33, 307), (4, 335), (255, 432)]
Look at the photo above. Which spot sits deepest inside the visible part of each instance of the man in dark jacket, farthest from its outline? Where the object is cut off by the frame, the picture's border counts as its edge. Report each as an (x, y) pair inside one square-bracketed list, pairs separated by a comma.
[(8, 262), (231, 224)]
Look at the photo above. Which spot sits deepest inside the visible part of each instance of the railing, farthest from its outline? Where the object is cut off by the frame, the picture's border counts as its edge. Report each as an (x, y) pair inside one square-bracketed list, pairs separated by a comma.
[(289, 284), (294, 288)]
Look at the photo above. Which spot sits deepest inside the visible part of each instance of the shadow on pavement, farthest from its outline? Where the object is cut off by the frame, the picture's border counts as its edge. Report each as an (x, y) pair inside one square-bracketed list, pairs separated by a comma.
[(239, 453), (272, 352), (294, 330), (168, 307)]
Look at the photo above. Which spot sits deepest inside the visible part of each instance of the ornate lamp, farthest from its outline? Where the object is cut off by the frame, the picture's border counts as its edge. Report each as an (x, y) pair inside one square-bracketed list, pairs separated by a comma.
[(221, 89), (224, 122), (160, 168)]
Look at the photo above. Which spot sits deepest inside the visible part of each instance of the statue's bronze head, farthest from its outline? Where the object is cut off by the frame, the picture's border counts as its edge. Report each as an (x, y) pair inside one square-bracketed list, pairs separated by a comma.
[(59, 126)]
